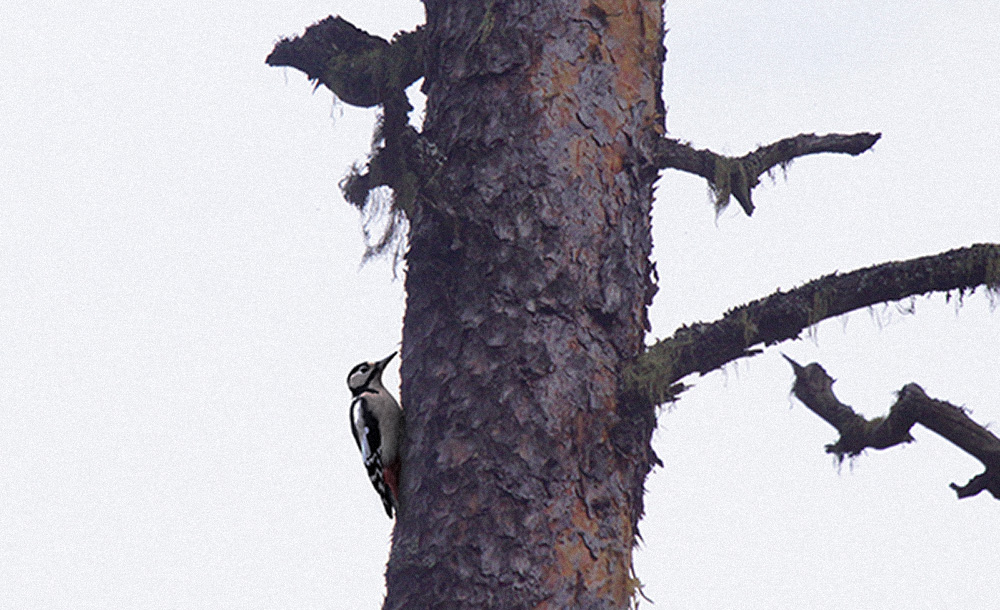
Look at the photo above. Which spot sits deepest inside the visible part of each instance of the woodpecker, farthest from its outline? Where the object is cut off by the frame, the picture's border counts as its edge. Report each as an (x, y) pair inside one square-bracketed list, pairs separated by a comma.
[(377, 423)]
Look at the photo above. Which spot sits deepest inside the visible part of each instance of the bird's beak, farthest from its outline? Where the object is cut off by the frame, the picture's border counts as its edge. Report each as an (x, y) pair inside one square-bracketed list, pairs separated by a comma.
[(381, 363)]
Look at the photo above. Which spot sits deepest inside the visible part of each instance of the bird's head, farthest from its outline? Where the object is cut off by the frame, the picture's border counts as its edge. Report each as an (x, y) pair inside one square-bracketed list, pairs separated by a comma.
[(367, 375)]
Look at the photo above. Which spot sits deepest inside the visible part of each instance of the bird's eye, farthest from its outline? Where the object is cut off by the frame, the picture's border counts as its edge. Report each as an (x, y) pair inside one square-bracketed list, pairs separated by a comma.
[(364, 368)]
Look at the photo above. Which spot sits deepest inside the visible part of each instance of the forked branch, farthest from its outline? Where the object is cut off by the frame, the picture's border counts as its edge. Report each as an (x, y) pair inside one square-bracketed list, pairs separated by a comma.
[(814, 387), (701, 347), (737, 176)]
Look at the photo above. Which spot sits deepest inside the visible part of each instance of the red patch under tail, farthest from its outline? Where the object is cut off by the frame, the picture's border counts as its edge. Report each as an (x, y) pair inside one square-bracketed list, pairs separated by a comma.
[(391, 476)]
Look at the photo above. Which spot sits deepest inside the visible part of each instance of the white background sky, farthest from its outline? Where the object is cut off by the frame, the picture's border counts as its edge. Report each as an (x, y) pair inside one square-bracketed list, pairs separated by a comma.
[(181, 299)]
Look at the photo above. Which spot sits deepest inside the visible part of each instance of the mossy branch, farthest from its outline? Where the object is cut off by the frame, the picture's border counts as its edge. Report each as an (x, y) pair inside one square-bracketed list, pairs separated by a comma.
[(365, 70), (655, 375), (737, 176), (814, 387), (361, 69)]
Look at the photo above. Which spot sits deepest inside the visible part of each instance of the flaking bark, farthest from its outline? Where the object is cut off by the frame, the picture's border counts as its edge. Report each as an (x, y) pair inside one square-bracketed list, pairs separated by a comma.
[(526, 292)]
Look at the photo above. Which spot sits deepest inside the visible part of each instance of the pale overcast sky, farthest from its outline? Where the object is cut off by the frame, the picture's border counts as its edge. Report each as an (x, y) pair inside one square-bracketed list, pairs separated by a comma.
[(181, 299)]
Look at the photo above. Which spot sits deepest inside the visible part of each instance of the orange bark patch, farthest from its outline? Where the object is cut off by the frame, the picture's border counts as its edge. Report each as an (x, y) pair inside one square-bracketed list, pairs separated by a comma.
[(565, 77), (591, 124), (581, 154), (604, 569), (633, 32), (593, 109), (454, 452)]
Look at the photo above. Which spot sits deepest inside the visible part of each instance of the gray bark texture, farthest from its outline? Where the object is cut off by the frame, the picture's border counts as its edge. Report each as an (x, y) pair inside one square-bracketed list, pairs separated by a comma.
[(527, 289)]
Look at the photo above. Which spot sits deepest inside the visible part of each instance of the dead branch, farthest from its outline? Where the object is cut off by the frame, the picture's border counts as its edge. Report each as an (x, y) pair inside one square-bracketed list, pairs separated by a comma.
[(361, 69), (814, 387), (737, 176), (703, 347), (366, 70)]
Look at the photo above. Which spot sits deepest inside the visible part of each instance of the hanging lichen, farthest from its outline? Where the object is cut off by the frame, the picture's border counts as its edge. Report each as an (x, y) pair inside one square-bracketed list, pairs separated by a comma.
[(734, 178), (365, 70), (992, 279)]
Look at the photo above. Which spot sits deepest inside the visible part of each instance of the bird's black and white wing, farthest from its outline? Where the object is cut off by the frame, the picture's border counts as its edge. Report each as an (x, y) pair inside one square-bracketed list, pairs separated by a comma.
[(364, 427)]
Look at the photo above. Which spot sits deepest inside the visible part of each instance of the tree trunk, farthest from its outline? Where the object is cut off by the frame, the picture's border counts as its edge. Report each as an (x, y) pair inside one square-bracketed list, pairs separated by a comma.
[(527, 289), (528, 194)]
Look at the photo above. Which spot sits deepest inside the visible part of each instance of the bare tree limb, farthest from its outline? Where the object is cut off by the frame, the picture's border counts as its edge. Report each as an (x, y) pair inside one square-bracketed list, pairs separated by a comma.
[(814, 387), (737, 176), (702, 347)]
